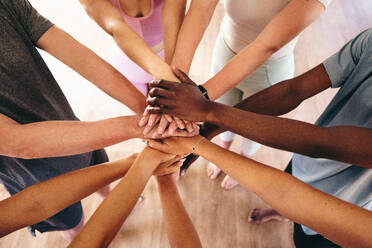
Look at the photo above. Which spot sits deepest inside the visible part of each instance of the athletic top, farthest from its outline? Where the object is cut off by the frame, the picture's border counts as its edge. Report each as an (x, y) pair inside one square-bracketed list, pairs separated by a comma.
[(29, 93), (245, 19), (150, 29), (350, 70)]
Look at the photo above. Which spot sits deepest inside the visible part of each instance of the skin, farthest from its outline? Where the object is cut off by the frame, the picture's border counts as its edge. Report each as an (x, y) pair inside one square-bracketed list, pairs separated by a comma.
[(113, 211), (254, 118), (285, 26), (109, 18), (180, 230), (45, 199), (285, 195), (62, 138)]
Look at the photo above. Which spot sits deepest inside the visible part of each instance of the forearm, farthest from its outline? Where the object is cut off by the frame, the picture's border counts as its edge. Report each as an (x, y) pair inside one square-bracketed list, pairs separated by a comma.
[(192, 30), (45, 199), (283, 28), (137, 50), (63, 138), (113, 211), (172, 17), (180, 230), (284, 193), (342, 143), (85, 62)]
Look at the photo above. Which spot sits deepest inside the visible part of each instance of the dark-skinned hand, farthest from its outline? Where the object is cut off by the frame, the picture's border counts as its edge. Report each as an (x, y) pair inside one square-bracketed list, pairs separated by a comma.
[(183, 100)]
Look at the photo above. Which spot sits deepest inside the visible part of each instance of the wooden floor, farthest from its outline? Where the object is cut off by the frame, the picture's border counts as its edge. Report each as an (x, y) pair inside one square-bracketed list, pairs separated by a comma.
[(219, 216)]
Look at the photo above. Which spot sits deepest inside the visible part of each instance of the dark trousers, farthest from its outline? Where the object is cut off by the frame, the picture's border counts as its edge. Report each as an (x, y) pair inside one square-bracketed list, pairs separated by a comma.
[(301, 239)]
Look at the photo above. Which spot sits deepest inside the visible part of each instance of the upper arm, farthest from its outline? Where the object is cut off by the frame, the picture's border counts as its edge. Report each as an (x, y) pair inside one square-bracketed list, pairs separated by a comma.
[(289, 23), (8, 127), (104, 14)]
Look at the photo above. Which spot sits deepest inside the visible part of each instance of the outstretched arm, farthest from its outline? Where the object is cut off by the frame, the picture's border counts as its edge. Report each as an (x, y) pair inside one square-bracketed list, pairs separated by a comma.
[(113, 211), (341, 143), (192, 30), (45, 199), (285, 26), (85, 62), (110, 19), (283, 192), (63, 138), (180, 230)]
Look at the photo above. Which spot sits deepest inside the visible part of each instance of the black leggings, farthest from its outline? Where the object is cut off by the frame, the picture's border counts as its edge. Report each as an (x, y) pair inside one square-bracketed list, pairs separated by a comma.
[(301, 239)]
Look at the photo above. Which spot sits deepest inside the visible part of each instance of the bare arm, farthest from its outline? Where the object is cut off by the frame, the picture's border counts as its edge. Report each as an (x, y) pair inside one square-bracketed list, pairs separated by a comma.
[(341, 143), (110, 19), (84, 61), (45, 199), (181, 232), (113, 211), (172, 16), (285, 193), (284, 27), (62, 138), (192, 30)]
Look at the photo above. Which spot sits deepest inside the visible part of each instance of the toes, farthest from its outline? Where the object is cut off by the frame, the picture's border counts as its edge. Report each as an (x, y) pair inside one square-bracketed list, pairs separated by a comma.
[(228, 183), (213, 171)]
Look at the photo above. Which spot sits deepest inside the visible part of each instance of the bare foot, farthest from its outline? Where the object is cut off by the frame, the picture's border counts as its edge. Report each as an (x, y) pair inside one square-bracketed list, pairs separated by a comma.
[(70, 234), (262, 215), (213, 171), (228, 183)]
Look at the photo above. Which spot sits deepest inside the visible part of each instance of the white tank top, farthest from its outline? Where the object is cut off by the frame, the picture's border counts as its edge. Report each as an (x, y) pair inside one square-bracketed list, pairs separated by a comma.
[(245, 19)]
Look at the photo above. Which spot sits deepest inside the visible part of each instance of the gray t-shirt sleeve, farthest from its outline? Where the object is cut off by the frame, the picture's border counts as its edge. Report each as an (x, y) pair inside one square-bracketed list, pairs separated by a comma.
[(33, 23), (340, 65)]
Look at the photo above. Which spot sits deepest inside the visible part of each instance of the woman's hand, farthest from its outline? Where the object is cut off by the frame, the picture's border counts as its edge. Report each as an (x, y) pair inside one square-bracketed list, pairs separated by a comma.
[(176, 145), (169, 167)]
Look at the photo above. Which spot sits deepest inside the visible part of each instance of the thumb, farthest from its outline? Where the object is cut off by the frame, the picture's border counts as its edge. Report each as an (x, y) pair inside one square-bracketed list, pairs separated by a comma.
[(181, 75)]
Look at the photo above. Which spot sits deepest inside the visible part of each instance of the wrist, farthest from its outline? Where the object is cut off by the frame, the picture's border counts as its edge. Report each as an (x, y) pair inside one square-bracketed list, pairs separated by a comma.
[(198, 145)]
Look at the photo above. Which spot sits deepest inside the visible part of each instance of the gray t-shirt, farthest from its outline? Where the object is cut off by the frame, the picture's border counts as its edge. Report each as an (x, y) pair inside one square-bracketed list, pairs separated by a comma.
[(29, 93), (351, 70)]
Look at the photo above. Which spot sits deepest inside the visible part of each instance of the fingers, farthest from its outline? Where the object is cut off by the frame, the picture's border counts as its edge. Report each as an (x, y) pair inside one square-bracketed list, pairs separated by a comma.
[(169, 118), (162, 125), (180, 123), (163, 84), (144, 120), (171, 130), (189, 127), (163, 147), (156, 102), (145, 117), (153, 120), (181, 75), (159, 92)]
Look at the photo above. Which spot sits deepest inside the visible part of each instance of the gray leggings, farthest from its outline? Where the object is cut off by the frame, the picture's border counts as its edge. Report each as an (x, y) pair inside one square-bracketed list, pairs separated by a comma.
[(271, 72)]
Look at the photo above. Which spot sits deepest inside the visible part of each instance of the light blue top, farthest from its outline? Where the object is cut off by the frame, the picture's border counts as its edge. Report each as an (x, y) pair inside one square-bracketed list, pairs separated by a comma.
[(350, 70)]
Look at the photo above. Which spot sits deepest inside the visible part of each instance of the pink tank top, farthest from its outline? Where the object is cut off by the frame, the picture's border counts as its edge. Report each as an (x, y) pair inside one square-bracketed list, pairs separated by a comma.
[(150, 29)]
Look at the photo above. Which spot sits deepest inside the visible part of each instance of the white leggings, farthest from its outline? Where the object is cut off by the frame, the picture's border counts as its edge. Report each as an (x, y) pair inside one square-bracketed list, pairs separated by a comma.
[(271, 72)]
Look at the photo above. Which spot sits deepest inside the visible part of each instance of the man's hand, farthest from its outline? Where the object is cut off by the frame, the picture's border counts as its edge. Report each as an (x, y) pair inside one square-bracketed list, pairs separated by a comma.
[(183, 100)]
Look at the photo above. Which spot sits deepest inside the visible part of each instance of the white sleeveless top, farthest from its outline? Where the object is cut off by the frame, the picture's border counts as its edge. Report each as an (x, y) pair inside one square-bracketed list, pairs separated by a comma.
[(245, 19)]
